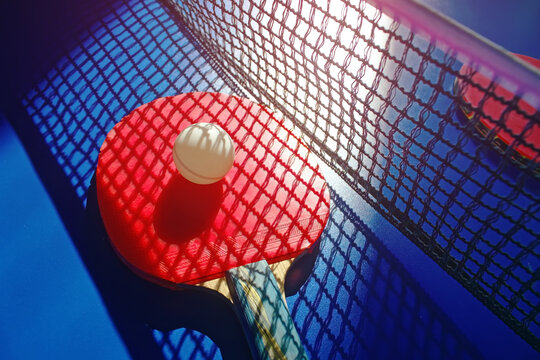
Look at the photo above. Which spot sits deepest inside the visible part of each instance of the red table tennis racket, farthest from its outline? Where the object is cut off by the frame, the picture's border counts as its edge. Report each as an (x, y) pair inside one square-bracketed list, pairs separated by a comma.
[(270, 207), (491, 109)]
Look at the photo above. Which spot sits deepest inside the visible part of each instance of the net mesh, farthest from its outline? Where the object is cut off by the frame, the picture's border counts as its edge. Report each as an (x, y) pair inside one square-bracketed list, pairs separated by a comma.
[(388, 109), (377, 101)]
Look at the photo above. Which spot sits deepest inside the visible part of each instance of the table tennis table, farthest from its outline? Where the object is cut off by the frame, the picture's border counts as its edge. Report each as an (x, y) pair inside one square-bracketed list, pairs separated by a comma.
[(431, 250)]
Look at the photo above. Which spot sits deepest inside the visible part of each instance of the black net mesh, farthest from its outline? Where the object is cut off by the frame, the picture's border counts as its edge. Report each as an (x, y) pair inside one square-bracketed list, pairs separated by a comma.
[(378, 102), (387, 109)]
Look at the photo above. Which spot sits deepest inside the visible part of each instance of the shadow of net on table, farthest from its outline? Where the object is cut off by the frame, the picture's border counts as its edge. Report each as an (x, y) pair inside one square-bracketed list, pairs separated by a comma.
[(360, 302), (82, 68)]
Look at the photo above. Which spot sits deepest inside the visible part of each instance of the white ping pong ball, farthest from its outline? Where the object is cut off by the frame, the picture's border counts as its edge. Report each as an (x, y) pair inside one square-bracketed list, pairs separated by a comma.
[(203, 153)]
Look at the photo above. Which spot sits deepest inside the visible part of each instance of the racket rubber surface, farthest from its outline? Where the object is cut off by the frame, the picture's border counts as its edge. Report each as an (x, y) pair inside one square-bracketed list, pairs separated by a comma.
[(271, 206)]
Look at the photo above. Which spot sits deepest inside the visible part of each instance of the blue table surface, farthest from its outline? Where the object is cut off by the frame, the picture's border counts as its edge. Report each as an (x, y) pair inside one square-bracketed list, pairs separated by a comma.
[(51, 308)]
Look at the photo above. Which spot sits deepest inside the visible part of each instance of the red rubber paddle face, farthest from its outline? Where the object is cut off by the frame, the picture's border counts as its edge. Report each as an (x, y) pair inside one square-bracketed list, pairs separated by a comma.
[(495, 109), (273, 204)]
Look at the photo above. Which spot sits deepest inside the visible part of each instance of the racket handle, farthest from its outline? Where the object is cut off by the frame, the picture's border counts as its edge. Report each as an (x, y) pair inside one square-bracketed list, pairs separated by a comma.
[(264, 313)]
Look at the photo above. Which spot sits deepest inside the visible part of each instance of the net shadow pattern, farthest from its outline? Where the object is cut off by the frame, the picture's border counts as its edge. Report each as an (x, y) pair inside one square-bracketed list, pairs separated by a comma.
[(361, 303), (271, 205), (100, 81), (140, 51), (130, 55), (379, 103), (188, 344)]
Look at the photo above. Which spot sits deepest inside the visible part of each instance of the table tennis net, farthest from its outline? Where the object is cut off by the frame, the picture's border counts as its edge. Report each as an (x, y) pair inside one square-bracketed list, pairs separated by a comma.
[(380, 101), (384, 106)]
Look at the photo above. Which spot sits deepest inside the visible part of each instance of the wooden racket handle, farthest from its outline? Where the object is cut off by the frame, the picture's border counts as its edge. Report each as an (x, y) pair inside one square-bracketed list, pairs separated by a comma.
[(264, 313)]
